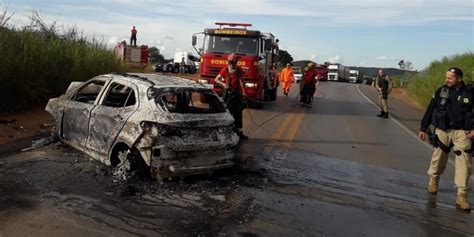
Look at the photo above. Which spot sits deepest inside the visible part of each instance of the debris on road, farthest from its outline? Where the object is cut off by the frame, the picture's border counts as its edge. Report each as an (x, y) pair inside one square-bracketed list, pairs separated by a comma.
[(41, 142), (7, 121)]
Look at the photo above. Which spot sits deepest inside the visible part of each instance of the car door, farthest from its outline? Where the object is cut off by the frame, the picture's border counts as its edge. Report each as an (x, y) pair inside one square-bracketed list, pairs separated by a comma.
[(75, 123), (109, 117)]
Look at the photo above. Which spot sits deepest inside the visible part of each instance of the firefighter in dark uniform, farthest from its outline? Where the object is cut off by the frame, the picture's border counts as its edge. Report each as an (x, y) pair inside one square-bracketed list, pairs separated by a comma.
[(451, 113), (383, 84), (231, 79), (308, 85)]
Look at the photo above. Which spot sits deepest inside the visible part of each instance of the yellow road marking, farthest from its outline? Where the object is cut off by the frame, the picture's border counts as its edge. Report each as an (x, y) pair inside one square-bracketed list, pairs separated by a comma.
[(288, 127), (279, 132), (294, 129)]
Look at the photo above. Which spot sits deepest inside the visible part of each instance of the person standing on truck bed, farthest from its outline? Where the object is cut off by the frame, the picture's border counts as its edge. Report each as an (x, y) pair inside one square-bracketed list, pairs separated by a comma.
[(383, 84), (232, 82), (287, 77), (133, 38)]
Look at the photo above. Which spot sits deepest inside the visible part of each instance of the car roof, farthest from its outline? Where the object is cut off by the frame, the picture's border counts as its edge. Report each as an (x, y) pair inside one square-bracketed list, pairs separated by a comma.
[(160, 80)]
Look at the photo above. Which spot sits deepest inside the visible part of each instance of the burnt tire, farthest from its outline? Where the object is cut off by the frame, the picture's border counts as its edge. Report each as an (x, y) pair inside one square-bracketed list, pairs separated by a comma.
[(128, 163)]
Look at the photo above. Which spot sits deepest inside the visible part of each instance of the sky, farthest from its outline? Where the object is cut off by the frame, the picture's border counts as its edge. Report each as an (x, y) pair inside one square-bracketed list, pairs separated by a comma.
[(372, 33)]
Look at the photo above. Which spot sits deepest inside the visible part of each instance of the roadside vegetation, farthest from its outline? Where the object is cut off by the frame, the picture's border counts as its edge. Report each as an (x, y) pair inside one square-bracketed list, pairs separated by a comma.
[(38, 61), (422, 85)]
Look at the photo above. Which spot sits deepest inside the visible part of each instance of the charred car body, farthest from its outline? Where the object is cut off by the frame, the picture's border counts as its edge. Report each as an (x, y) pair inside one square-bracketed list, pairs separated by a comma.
[(169, 125)]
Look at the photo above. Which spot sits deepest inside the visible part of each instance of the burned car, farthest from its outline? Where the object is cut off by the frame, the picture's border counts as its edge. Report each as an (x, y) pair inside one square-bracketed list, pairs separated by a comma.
[(166, 125)]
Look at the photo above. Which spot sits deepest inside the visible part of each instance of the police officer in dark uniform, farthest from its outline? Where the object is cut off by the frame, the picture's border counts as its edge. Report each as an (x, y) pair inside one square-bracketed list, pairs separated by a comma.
[(384, 86), (451, 113)]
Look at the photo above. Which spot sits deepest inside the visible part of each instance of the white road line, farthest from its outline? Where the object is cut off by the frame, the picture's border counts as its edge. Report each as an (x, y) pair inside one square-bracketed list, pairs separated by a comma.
[(404, 127)]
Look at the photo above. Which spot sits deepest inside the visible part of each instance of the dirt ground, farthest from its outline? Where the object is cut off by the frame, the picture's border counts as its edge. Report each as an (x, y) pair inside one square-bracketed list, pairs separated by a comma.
[(402, 94), (24, 125)]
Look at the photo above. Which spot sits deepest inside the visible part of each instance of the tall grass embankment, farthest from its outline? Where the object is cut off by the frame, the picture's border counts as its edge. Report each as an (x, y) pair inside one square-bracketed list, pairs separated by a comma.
[(422, 86), (37, 62)]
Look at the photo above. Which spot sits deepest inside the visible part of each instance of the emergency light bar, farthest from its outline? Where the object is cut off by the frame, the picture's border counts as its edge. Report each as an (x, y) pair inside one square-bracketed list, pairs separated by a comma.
[(232, 24)]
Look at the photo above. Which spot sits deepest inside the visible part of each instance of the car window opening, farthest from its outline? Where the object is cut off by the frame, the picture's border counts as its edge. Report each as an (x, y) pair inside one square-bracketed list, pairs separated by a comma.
[(88, 93), (190, 102), (120, 96)]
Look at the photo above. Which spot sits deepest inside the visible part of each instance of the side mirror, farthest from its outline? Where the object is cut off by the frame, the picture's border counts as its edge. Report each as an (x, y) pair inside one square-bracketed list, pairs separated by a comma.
[(194, 40)]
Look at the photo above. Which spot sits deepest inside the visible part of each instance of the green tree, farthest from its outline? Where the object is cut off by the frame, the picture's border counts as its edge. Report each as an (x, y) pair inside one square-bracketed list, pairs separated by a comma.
[(155, 56), (285, 57)]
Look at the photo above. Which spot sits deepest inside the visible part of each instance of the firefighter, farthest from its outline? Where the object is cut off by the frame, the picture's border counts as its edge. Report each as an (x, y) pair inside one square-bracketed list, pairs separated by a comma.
[(232, 82), (383, 84), (450, 112), (308, 85), (133, 37), (287, 77)]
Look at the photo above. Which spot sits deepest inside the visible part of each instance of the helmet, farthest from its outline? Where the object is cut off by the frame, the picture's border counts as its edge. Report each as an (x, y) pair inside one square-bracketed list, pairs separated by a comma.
[(232, 58)]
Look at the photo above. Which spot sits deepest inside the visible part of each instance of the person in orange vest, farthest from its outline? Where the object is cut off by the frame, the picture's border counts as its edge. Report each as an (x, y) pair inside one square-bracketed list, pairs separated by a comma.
[(133, 38), (287, 77), (308, 85)]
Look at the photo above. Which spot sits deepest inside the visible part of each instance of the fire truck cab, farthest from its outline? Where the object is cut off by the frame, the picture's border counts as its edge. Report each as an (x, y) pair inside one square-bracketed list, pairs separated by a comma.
[(256, 51)]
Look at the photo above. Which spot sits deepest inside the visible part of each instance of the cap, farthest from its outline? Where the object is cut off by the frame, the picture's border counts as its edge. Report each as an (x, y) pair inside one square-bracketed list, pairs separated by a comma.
[(456, 71)]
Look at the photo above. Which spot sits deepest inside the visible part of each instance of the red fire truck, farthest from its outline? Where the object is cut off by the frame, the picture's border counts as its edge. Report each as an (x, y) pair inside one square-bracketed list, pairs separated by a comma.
[(322, 72), (132, 55), (256, 51)]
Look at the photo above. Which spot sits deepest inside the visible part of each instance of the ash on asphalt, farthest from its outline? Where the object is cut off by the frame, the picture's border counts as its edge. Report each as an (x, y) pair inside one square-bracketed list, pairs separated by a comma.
[(57, 177)]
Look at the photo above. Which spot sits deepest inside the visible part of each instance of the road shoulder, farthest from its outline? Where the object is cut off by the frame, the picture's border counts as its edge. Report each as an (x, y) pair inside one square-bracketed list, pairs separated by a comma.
[(400, 106)]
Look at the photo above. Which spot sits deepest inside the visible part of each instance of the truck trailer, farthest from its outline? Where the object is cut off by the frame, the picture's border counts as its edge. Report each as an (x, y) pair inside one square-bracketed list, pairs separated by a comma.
[(337, 72)]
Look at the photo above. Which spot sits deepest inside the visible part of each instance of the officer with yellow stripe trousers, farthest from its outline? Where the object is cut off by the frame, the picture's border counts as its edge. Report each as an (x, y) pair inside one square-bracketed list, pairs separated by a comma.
[(451, 113)]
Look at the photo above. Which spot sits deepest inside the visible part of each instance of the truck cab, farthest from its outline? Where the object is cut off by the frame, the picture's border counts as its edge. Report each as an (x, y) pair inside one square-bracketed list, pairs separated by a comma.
[(256, 52)]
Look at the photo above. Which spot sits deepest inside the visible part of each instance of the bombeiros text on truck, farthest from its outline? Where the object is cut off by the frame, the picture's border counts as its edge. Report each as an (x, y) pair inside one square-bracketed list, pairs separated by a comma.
[(257, 52)]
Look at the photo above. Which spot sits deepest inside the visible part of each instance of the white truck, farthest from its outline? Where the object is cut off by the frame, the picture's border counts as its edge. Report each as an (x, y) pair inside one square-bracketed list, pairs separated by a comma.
[(354, 76), (181, 59), (337, 72)]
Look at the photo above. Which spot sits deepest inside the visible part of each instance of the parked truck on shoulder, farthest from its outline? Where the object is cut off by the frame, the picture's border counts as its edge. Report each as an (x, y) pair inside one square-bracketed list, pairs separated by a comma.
[(132, 55), (355, 76)]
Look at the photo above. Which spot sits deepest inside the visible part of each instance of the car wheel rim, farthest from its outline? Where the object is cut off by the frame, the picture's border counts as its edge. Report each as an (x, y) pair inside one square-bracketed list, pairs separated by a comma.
[(127, 166)]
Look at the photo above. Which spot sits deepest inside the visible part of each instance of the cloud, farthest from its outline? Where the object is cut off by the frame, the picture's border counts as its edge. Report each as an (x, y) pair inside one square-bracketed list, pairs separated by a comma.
[(169, 24), (388, 58), (112, 41), (335, 59)]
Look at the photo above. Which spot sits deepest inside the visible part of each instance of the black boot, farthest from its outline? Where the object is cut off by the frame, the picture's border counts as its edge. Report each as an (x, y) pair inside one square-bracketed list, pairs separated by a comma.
[(243, 136), (381, 114), (385, 115)]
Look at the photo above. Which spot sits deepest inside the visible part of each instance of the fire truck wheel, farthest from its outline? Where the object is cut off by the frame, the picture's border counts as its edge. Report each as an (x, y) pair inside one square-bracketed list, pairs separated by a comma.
[(273, 94)]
